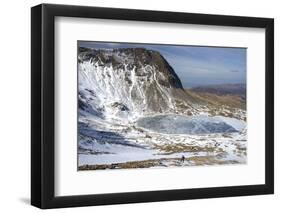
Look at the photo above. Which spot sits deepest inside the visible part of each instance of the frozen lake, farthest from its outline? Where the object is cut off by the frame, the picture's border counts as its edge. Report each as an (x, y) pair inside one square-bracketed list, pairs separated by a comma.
[(200, 124)]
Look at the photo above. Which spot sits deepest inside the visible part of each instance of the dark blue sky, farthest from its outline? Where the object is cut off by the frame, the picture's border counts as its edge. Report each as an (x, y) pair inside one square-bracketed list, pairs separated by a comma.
[(195, 65)]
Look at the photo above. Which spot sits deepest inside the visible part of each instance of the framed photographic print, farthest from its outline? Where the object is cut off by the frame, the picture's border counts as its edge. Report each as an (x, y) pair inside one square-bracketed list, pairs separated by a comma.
[(139, 106)]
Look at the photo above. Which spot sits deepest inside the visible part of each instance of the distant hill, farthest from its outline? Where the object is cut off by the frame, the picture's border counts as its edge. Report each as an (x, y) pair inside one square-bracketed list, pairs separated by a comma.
[(232, 95), (223, 89)]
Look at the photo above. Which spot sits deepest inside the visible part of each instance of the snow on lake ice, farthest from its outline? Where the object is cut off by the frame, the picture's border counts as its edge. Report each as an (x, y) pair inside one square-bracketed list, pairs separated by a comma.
[(201, 124)]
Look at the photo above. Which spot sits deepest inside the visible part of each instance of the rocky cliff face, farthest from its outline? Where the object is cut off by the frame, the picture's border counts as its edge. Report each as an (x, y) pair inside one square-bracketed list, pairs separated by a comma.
[(128, 83)]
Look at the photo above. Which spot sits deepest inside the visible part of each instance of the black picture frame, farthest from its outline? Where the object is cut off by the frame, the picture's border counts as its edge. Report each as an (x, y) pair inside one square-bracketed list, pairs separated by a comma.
[(43, 105)]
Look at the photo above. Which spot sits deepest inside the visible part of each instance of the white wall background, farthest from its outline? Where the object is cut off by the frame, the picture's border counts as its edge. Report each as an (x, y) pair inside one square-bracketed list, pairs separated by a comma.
[(15, 105)]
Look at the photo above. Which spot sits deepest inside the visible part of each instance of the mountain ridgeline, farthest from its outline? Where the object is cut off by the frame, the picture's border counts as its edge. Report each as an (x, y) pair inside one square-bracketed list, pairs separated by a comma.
[(129, 82)]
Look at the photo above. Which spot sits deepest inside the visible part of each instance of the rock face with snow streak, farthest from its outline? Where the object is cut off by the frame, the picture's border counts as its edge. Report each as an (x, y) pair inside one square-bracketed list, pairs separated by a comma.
[(128, 82)]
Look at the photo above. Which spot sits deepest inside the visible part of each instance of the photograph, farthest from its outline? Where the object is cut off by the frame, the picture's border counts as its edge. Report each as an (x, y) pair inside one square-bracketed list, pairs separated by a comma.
[(160, 105)]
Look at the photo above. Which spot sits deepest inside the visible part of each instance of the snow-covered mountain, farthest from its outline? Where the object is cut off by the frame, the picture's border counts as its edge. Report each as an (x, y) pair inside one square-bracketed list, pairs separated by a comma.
[(128, 83)]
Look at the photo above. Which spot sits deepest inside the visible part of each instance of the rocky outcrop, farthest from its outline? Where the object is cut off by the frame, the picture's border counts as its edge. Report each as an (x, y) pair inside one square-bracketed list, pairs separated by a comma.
[(129, 82)]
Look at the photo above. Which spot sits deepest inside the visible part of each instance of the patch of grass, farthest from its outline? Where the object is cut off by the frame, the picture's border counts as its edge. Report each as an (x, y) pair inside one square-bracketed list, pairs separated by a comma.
[(179, 147), (126, 165), (209, 160), (232, 101), (163, 162), (240, 148)]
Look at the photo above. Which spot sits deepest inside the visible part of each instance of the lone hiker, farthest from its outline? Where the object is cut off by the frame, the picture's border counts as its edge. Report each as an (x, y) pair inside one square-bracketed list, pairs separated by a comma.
[(182, 158)]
